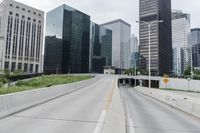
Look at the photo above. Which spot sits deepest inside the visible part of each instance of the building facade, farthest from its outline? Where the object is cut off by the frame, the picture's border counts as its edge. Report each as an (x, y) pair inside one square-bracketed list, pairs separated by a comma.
[(195, 42), (161, 36), (67, 41), (121, 35), (180, 41), (134, 50), (100, 48), (21, 37)]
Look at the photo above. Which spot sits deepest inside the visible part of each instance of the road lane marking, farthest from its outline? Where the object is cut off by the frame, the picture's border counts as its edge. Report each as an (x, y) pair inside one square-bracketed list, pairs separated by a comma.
[(107, 104), (130, 121), (131, 127)]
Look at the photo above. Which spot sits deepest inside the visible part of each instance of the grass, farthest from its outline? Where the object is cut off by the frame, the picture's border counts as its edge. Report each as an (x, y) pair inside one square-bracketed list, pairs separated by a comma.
[(40, 82)]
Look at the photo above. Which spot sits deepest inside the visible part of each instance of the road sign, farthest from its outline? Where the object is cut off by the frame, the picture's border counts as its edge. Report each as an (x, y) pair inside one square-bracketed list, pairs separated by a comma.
[(165, 80)]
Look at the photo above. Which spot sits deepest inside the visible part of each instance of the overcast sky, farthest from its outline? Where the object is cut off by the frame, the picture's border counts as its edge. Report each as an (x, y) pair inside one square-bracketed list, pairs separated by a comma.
[(106, 10)]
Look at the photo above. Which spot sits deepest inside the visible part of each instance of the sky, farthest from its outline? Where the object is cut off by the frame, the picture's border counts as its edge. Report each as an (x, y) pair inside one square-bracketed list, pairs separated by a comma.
[(102, 11)]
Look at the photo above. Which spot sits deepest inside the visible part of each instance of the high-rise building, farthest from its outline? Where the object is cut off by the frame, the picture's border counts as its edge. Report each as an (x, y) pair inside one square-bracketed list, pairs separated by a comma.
[(180, 41), (161, 36), (100, 48), (67, 41), (21, 37), (134, 50), (195, 42), (121, 34)]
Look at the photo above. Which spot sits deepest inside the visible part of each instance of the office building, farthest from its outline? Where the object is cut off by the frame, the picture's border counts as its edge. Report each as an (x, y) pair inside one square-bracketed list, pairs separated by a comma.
[(67, 41), (121, 35), (161, 36), (21, 37), (180, 41), (100, 48), (134, 50), (195, 42)]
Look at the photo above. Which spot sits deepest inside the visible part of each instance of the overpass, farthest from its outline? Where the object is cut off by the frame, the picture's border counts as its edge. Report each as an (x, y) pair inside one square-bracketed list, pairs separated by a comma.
[(139, 81)]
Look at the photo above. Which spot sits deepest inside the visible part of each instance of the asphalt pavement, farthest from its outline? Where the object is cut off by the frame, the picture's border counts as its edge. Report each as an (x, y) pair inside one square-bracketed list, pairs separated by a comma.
[(77, 112), (146, 115)]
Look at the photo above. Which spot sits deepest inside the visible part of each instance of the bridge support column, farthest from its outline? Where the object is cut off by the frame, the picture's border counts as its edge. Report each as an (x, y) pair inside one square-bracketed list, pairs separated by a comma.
[(140, 82), (124, 82)]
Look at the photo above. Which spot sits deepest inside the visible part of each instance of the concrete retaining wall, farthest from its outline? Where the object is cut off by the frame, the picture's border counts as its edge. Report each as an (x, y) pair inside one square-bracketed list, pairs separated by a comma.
[(187, 104), (16, 102), (181, 84)]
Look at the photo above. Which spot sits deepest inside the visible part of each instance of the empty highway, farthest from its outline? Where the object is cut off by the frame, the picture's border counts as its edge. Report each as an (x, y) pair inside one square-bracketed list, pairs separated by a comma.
[(77, 112), (146, 115)]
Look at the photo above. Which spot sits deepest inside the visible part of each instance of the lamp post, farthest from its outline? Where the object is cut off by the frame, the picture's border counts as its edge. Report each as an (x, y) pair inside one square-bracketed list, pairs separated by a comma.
[(191, 62), (149, 24)]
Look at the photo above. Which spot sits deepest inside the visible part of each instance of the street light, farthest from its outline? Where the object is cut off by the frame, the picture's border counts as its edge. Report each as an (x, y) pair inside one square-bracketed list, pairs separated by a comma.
[(149, 24)]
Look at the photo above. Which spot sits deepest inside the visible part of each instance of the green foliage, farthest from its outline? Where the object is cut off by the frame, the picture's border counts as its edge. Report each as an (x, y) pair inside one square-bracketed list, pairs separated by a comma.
[(138, 70), (187, 71), (43, 81)]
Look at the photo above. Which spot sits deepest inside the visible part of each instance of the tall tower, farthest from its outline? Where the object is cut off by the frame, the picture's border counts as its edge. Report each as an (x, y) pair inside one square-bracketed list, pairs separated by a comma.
[(21, 37), (180, 41), (161, 36)]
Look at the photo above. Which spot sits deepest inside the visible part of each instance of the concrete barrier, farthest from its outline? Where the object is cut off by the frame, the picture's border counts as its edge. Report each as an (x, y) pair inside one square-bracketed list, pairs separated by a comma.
[(16, 102), (181, 84), (184, 103)]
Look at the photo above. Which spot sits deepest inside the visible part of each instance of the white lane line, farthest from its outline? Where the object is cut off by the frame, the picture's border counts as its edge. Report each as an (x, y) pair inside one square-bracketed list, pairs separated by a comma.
[(130, 121), (99, 125), (107, 104), (131, 127)]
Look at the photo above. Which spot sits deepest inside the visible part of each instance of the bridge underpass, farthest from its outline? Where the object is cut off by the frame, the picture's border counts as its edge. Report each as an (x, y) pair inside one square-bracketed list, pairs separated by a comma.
[(132, 82)]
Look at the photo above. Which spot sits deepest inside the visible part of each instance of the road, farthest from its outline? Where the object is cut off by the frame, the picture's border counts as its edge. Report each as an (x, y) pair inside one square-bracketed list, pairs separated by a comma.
[(78, 112), (146, 115)]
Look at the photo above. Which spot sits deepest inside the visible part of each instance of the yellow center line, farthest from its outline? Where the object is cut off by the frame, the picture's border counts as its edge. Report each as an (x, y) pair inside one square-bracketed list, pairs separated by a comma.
[(109, 97)]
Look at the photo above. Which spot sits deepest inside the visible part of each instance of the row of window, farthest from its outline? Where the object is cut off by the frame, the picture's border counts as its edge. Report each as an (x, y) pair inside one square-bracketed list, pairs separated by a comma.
[(32, 48), (23, 17), (23, 9), (21, 67)]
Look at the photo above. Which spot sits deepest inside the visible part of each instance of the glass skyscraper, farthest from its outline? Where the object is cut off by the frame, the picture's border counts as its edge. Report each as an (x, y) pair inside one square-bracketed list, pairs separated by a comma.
[(180, 41), (121, 36), (195, 42), (67, 41), (100, 48), (161, 36)]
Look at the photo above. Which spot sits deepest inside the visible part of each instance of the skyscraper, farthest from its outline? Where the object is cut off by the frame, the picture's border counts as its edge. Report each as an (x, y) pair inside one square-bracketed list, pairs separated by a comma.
[(121, 34), (21, 37), (180, 41), (161, 36), (134, 50), (67, 41), (100, 48), (195, 42)]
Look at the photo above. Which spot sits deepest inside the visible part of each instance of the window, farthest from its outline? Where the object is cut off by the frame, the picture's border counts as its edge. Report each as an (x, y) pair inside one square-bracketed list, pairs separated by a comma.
[(29, 18), (23, 16), (13, 66), (34, 12), (29, 11), (23, 9), (10, 13), (39, 22), (17, 14), (6, 66), (17, 7), (39, 14), (11, 5), (34, 20)]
